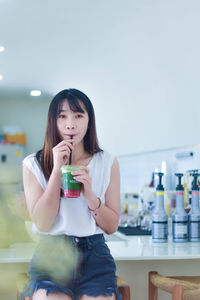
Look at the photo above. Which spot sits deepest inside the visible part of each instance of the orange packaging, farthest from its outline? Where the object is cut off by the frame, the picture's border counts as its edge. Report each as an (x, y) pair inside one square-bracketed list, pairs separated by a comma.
[(17, 138)]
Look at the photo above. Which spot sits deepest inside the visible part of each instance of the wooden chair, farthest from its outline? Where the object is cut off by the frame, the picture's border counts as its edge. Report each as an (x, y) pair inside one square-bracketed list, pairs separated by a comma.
[(123, 287), (181, 287)]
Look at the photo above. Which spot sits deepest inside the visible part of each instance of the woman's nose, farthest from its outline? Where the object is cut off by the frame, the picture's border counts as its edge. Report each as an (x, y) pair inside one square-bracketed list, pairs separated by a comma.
[(70, 125)]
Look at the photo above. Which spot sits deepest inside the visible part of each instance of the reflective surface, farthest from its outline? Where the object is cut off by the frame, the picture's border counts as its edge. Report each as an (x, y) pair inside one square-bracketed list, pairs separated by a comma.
[(122, 248)]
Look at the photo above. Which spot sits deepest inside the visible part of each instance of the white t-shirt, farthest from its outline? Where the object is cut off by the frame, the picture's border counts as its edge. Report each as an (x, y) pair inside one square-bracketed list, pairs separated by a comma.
[(73, 217)]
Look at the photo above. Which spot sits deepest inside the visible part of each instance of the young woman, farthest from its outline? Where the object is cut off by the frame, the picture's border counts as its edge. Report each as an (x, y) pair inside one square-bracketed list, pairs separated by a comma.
[(81, 221)]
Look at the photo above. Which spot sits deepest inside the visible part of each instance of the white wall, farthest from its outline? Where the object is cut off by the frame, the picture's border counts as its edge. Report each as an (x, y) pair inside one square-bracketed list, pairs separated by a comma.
[(136, 274), (143, 81), (154, 93)]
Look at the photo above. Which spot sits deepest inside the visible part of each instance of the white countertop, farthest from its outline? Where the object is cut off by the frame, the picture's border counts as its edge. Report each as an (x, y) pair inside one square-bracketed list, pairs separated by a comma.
[(142, 248), (123, 248), (17, 253)]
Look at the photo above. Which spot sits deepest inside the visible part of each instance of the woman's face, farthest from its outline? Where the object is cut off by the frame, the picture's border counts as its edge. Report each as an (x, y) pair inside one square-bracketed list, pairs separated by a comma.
[(71, 123)]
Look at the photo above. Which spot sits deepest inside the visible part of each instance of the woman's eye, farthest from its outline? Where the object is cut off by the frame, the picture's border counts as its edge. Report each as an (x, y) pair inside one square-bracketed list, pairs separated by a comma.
[(79, 116), (61, 116)]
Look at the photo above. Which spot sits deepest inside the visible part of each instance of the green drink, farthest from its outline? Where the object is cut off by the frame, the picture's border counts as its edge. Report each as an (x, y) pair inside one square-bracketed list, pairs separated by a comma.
[(71, 187)]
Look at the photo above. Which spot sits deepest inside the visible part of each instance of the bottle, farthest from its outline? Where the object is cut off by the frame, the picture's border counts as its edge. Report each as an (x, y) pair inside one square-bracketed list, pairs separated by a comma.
[(159, 215), (152, 181), (179, 216), (186, 188), (194, 214), (140, 211), (188, 207)]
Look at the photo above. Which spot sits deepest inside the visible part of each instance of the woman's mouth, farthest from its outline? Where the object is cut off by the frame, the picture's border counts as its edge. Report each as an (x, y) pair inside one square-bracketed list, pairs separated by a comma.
[(70, 135)]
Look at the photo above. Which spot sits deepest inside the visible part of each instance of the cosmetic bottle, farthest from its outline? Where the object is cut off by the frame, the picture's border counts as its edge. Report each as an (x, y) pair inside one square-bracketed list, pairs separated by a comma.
[(159, 215), (179, 216), (194, 214)]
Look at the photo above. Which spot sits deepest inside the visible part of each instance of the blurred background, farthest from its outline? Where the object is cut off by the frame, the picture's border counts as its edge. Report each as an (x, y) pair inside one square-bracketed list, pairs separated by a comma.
[(138, 61)]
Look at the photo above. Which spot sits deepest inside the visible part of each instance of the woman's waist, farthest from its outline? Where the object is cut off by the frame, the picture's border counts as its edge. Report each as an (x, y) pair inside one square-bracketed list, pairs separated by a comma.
[(83, 240)]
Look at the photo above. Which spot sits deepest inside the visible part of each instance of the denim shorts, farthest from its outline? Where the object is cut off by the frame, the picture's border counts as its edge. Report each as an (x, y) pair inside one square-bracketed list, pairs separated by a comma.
[(92, 268)]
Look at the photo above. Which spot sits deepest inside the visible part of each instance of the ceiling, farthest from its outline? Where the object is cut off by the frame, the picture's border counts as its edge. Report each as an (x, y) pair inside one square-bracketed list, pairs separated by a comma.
[(51, 45)]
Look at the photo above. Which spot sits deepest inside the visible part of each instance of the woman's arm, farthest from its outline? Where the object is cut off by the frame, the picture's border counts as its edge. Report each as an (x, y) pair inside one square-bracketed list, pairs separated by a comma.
[(107, 215), (42, 205)]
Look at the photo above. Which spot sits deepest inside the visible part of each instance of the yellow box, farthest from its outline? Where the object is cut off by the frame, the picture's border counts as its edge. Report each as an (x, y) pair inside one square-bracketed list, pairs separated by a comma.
[(17, 138)]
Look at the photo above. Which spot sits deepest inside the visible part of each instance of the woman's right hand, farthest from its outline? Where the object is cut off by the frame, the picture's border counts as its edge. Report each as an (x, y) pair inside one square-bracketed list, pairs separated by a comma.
[(61, 153)]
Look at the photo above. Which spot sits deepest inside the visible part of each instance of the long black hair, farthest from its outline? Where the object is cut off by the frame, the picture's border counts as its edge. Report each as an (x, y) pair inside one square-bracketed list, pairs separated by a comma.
[(91, 145)]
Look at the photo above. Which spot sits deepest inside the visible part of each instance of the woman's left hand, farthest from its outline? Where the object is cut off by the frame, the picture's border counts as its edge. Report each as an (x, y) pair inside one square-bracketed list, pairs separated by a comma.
[(84, 177)]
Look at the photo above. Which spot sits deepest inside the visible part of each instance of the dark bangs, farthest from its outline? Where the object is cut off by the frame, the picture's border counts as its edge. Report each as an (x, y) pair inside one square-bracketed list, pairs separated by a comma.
[(74, 104)]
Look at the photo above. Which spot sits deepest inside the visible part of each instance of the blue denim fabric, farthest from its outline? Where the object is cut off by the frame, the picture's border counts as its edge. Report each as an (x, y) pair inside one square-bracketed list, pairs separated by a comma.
[(93, 271)]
